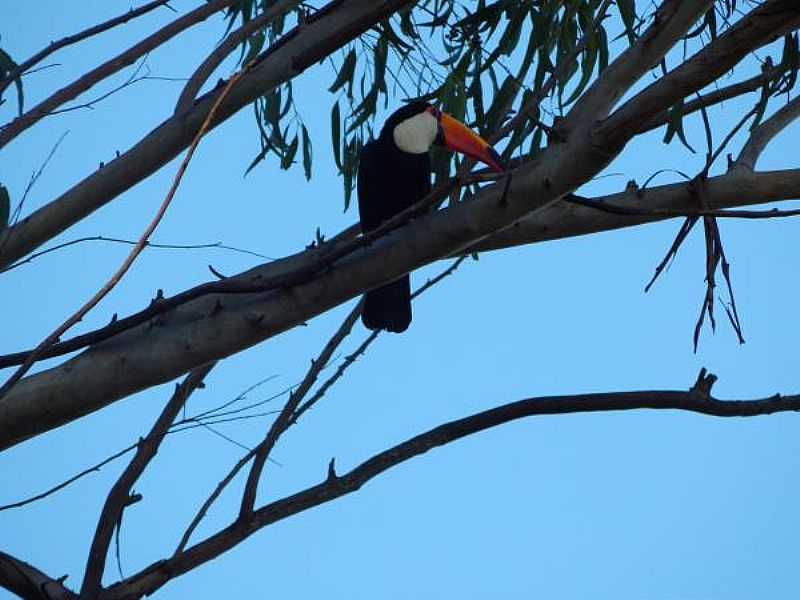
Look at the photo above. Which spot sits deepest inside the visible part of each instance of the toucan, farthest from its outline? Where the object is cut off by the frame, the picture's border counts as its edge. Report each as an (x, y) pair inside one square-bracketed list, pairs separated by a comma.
[(394, 173)]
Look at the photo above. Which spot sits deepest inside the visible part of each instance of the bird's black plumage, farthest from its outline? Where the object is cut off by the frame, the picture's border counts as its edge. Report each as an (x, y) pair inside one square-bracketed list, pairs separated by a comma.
[(389, 181)]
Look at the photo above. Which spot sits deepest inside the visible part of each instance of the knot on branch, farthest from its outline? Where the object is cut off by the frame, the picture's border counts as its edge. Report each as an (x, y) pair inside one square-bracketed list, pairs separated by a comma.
[(705, 381)]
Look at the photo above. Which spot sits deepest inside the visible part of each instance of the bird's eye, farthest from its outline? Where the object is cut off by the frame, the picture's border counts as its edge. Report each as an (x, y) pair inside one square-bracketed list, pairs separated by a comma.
[(437, 114)]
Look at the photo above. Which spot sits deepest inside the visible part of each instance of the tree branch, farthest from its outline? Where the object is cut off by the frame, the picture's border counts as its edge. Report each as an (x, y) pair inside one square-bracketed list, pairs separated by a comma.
[(765, 132), (45, 107), (119, 496), (637, 207), (24, 66), (284, 419), (327, 254), (29, 583), (206, 68), (715, 97), (764, 24), (697, 400)]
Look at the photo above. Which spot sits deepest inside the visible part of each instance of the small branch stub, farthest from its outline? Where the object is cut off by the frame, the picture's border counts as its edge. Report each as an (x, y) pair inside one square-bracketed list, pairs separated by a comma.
[(705, 381)]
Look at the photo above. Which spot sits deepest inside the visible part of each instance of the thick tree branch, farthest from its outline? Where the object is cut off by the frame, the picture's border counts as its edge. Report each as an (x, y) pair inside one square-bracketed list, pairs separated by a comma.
[(29, 583), (765, 132), (672, 19), (328, 29), (763, 25), (108, 68), (715, 97), (567, 219), (120, 495), (698, 400)]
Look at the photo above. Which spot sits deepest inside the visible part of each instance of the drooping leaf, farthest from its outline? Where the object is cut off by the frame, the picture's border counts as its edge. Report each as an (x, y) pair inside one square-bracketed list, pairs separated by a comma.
[(711, 22), (675, 126), (627, 10), (254, 45), (307, 153), (259, 157), (388, 32), (289, 101), (602, 49), (407, 23), (7, 65), (790, 63), (336, 135), (345, 74), (587, 66), (5, 206), (288, 157)]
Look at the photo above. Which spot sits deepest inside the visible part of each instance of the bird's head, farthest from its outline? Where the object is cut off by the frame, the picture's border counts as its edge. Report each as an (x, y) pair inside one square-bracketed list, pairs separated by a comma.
[(417, 126)]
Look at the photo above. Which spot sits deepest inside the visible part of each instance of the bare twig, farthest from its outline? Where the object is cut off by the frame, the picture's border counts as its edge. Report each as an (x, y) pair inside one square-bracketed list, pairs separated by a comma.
[(148, 244), (137, 249), (47, 106), (772, 213), (34, 178), (201, 513), (132, 79), (284, 419), (25, 66), (199, 420), (261, 452), (362, 348), (94, 468), (119, 496)]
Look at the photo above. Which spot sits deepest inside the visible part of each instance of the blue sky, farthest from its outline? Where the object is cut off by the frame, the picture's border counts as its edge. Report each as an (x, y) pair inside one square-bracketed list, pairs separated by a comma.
[(640, 505)]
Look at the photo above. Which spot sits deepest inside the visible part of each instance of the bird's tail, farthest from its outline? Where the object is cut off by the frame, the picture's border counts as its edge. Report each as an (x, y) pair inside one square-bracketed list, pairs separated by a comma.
[(388, 307)]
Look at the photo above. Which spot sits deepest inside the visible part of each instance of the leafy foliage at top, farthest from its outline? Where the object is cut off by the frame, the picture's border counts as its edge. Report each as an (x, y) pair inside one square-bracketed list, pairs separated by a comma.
[(482, 62)]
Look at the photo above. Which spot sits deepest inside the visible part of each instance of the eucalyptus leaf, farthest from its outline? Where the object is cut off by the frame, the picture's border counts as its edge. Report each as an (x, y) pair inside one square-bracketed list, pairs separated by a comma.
[(336, 134), (5, 206), (307, 153), (345, 74)]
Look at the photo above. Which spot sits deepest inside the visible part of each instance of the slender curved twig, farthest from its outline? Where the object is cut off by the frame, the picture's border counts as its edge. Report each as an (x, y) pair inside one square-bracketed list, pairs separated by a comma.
[(24, 67), (137, 249)]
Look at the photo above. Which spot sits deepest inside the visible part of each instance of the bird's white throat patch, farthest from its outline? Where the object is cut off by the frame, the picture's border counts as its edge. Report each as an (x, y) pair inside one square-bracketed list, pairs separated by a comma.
[(416, 135)]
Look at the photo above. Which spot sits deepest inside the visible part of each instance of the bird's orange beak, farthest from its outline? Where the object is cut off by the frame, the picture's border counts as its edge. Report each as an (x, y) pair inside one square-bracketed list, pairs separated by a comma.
[(456, 136)]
